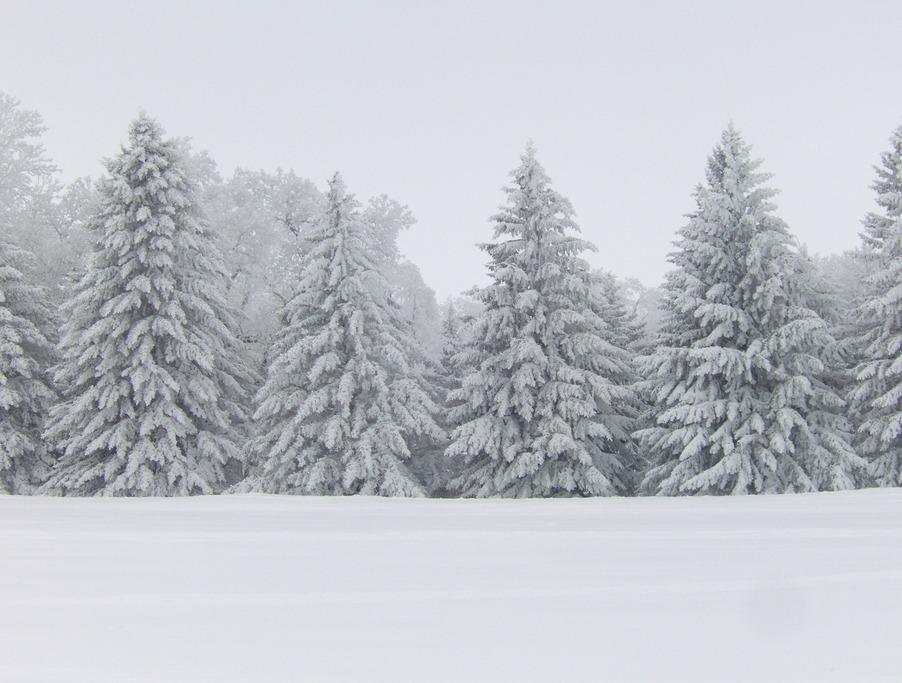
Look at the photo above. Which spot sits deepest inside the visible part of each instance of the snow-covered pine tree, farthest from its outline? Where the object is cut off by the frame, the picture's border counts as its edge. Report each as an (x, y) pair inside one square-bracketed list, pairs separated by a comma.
[(877, 393), (626, 334), (436, 469), (26, 392), (832, 462), (27, 324), (539, 412), (153, 375), (457, 315), (343, 400), (625, 329), (737, 375)]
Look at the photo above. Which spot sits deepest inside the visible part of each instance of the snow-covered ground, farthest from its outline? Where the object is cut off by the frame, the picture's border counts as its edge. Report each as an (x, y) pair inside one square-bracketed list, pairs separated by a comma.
[(261, 589)]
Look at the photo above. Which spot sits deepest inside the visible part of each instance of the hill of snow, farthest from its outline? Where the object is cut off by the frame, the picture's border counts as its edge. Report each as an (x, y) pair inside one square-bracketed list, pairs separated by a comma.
[(263, 589)]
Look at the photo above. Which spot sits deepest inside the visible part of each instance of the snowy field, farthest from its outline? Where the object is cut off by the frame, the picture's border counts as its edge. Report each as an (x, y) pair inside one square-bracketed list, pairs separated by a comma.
[(260, 589)]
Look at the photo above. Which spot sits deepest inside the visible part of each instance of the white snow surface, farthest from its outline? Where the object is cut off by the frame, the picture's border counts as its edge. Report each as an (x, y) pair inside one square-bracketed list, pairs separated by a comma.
[(277, 588)]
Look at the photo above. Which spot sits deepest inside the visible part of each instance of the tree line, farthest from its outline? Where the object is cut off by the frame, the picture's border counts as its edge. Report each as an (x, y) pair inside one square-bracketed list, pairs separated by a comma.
[(165, 331)]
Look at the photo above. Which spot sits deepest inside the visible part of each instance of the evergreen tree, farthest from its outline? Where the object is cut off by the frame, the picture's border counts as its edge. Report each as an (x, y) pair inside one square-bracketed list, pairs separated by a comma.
[(833, 463), (152, 371), (457, 317), (26, 392), (540, 411), (626, 334), (27, 325), (738, 377), (624, 328), (877, 394), (434, 468), (344, 400)]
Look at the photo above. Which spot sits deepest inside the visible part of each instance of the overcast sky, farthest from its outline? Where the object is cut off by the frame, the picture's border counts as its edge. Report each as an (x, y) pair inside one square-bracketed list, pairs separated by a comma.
[(433, 103)]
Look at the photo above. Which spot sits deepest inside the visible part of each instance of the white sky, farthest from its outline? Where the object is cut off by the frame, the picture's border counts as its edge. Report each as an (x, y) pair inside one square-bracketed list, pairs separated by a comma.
[(432, 103)]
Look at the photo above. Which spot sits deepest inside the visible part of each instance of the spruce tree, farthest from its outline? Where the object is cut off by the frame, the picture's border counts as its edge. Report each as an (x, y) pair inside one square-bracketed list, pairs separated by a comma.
[(344, 400), (27, 324), (738, 374), (625, 333), (624, 328), (436, 469), (877, 393), (540, 412), (153, 374), (26, 392), (833, 462)]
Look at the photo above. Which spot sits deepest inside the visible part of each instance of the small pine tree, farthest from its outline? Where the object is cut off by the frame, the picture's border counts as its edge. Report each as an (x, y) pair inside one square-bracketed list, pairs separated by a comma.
[(343, 400), (26, 392), (153, 375), (625, 330), (877, 393), (435, 469), (540, 411), (738, 374), (626, 335), (457, 316), (832, 461)]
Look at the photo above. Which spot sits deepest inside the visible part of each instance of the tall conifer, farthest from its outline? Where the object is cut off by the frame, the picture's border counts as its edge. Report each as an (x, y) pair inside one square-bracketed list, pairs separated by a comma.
[(540, 412), (738, 374), (344, 399), (27, 324), (153, 374), (877, 394), (26, 392)]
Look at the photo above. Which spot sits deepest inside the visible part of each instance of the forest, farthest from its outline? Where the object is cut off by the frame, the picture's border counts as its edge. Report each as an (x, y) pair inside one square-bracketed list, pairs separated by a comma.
[(166, 331)]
